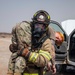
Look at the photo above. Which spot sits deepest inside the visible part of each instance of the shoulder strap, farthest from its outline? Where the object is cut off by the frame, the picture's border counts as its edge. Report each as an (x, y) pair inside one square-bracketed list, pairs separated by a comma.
[(43, 40)]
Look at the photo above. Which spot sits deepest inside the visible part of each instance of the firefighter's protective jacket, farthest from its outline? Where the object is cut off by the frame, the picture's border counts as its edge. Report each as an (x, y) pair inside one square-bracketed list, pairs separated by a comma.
[(22, 36)]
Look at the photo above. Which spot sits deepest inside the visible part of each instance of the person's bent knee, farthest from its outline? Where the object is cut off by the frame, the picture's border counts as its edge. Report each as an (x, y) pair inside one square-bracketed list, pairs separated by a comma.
[(20, 65)]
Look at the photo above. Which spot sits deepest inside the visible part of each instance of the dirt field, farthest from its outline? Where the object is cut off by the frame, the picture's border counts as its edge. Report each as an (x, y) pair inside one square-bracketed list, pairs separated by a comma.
[(4, 55)]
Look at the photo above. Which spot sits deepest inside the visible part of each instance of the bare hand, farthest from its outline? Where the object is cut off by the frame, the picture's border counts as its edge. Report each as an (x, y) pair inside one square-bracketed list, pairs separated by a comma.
[(53, 69)]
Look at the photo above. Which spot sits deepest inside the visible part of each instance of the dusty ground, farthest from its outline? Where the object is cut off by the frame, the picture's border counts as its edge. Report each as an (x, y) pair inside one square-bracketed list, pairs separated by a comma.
[(4, 55)]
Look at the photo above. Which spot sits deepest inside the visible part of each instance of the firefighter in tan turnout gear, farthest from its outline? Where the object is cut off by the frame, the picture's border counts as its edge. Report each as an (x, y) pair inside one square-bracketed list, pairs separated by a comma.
[(31, 46)]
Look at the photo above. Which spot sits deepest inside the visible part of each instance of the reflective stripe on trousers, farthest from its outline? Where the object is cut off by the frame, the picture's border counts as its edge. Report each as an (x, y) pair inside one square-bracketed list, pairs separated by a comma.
[(32, 73)]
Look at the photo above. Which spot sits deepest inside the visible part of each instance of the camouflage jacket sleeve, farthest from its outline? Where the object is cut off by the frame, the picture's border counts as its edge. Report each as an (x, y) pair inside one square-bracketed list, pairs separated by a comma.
[(14, 39), (43, 56), (23, 32)]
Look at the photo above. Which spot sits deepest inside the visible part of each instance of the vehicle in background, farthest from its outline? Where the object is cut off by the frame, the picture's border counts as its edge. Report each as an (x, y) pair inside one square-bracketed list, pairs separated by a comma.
[(65, 54), (68, 26)]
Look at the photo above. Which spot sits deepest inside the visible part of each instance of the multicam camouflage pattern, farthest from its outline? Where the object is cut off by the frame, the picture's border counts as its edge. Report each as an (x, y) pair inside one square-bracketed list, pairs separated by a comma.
[(25, 32), (20, 64), (11, 64), (21, 35), (17, 65)]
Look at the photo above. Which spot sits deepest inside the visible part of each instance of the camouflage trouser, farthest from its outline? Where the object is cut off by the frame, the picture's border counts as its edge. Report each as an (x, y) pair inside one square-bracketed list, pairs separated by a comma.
[(17, 66)]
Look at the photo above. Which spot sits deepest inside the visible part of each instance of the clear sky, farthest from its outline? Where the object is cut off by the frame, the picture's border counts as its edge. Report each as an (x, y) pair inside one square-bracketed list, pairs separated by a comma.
[(14, 11)]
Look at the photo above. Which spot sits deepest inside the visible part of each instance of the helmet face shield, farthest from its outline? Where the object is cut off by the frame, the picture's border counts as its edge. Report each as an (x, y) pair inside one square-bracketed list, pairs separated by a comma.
[(39, 25)]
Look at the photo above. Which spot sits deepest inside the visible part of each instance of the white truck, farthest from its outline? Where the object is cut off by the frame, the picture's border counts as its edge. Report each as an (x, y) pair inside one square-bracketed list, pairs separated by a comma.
[(65, 54)]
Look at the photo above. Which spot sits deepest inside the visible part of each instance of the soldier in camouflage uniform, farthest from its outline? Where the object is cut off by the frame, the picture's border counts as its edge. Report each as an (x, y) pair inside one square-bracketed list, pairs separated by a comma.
[(23, 56), (23, 29)]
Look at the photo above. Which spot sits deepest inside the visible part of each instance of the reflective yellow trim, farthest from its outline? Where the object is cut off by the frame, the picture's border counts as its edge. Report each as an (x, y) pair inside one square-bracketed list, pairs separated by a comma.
[(45, 53), (48, 17), (35, 14), (32, 73), (33, 57)]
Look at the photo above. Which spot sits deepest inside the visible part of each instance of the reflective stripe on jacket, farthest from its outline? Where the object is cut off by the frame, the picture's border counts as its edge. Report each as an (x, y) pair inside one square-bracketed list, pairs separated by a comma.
[(41, 58)]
